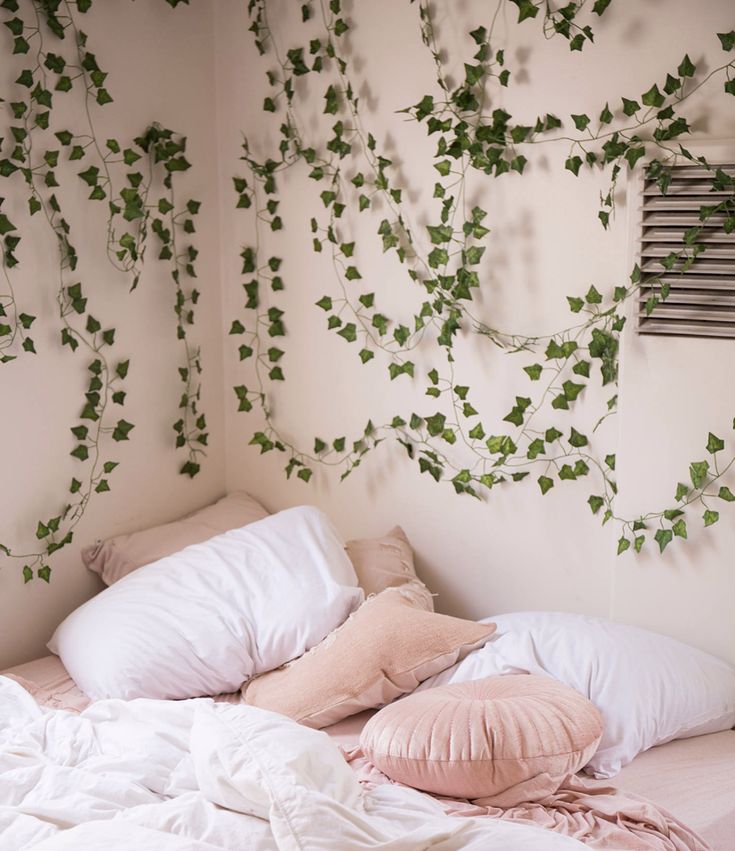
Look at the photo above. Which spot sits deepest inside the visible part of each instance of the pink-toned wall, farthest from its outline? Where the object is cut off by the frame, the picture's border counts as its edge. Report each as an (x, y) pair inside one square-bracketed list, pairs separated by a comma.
[(161, 66), (515, 551)]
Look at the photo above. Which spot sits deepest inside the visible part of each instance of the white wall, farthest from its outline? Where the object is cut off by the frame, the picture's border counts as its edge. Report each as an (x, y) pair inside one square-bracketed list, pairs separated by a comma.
[(161, 67), (517, 550)]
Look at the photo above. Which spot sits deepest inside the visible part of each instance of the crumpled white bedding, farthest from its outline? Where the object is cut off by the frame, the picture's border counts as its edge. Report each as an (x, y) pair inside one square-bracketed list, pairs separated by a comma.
[(195, 775)]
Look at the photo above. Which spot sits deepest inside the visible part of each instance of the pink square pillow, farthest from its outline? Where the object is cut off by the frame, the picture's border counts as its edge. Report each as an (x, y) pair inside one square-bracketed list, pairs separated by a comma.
[(117, 557), (382, 563), (501, 740), (385, 649)]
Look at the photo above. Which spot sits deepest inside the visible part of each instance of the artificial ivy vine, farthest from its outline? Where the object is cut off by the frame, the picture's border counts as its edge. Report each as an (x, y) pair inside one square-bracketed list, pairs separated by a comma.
[(474, 137), (134, 185)]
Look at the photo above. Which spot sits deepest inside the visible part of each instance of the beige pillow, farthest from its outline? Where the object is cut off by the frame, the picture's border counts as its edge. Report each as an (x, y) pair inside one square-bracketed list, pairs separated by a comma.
[(116, 557), (382, 563), (383, 650)]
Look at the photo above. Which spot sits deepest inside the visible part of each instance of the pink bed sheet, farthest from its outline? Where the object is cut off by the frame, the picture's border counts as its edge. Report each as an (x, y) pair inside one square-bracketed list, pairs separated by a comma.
[(694, 778), (601, 817), (50, 684)]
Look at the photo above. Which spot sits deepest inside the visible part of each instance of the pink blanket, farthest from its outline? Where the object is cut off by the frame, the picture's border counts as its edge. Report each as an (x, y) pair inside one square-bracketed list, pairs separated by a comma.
[(599, 816)]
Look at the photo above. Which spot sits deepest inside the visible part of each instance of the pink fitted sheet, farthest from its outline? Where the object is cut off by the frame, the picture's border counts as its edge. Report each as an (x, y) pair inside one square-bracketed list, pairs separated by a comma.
[(48, 681), (694, 779)]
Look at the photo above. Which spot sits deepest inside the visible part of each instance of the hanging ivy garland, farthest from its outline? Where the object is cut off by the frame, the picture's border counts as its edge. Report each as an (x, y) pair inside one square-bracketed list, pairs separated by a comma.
[(353, 171), (135, 185), (472, 138)]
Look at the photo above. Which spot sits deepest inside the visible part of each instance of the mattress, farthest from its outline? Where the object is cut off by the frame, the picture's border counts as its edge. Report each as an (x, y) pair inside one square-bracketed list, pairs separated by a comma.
[(694, 779)]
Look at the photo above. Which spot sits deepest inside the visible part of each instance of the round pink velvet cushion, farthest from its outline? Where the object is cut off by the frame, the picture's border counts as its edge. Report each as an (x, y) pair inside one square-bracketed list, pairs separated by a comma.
[(504, 740)]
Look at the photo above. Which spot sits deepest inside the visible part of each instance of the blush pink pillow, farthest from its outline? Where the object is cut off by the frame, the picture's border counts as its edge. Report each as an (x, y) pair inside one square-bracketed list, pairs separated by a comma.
[(393, 642), (504, 740), (382, 563), (117, 557)]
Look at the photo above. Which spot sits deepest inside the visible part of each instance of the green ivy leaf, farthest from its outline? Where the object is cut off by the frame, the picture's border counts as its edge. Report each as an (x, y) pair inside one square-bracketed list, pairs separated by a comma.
[(501, 444), (680, 529), (122, 430), (352, 274), (473, 255), (348, 332), (593, 296), (653, 97), (600, 6), (572, 390), (325, 302), (595, 503), (727, 40), (714, 444), (439, 233), (686, 67), (526, 9), (663, 538), (90, 176), (546, 484), (535, 448), (581, 122), (330, 99), (552, 434), (710, 517), (533, 371), (190, 469), (304, 474), (81, 452), (573, 164), (577, 440), (698, 473), (672, 85), (438, 257), (435, 424)]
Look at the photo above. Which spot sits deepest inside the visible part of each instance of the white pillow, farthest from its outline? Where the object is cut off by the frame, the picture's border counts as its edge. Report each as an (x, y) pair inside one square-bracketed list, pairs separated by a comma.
[(204, 620), (650, 688)]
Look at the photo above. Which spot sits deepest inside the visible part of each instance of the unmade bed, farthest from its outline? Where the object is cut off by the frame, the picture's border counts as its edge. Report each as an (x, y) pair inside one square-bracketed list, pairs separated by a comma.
[(694, 779), (213, 698)]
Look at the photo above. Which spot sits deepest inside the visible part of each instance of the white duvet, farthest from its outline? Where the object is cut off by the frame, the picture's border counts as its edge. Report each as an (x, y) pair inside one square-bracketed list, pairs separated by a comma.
[(198, 776)]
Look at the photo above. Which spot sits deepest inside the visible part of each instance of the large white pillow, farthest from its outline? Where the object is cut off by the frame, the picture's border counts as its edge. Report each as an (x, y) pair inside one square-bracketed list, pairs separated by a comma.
[(650, 688), (204, 620)]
